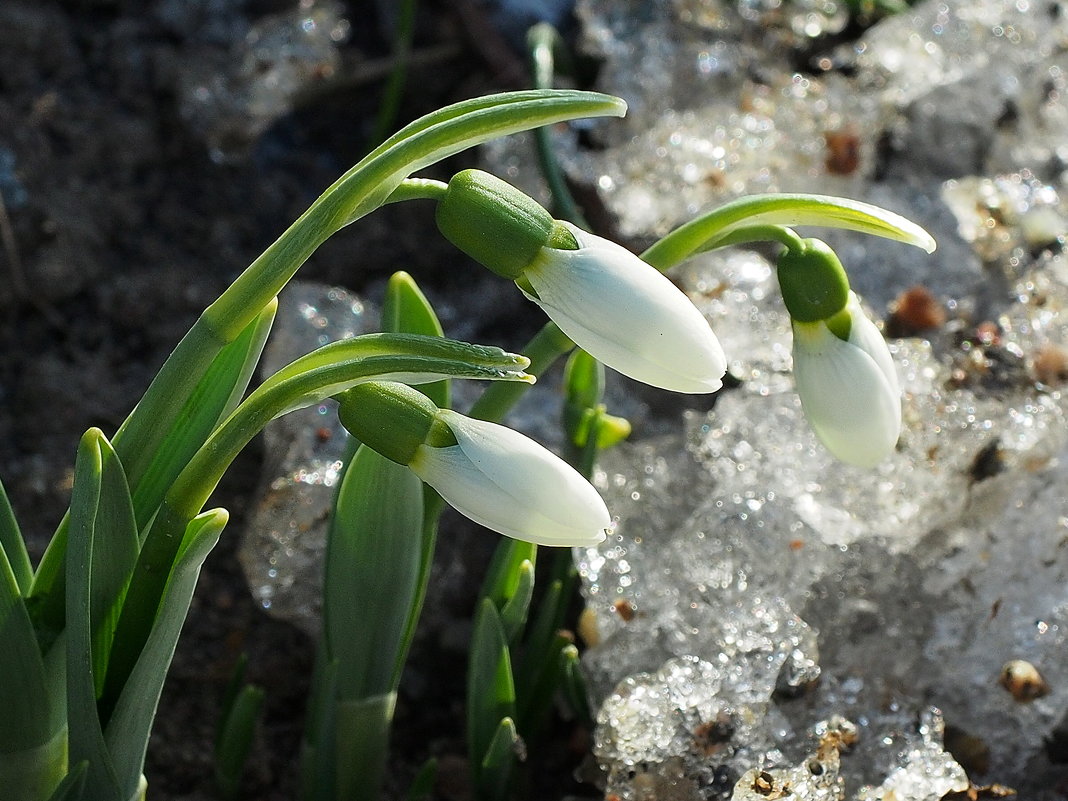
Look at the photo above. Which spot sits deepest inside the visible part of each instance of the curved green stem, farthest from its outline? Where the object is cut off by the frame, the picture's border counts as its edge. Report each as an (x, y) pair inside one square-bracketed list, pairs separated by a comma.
[(418, 189), (712, 230), (548, 345), (760, 233)]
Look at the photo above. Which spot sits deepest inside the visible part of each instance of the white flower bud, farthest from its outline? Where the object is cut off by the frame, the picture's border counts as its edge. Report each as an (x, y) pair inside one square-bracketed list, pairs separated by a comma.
[(511, 484), (848, 388), (626, 313)]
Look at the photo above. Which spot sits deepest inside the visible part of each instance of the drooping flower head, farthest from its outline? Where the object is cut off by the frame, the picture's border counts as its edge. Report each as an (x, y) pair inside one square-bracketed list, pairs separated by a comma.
[(842, 366), (611, 303), (487, 472)]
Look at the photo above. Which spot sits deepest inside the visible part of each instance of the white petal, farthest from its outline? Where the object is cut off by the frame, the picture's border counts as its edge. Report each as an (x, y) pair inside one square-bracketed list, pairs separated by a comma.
[(847, 397), (867, 337), (628, 315), (513, 485)]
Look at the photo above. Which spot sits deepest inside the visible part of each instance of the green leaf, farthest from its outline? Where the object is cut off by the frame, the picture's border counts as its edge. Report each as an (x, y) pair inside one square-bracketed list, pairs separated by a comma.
[(362, 745), (537, 672), (235, 739), (88, 539), (455, 128), (24, 695), (13, 546), (583, 380), (498, 764), (502, 575), (211, 401), (514, 611), (73, 784), (411, 358), (318, 755), (371, 573), (130, 724), (490, 691), (33, 774), (112, 557), (716, 227), (573, 682), (169, 424), (405, 310)]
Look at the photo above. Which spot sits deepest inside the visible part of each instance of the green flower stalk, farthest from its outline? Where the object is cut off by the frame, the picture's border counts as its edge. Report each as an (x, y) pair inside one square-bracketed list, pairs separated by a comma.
[(487, 472), (842, 366)]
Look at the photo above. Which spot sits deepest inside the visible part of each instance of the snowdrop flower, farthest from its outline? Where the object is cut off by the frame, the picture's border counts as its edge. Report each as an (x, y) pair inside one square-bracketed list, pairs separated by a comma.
[(626, 314), (511, 484), (842, 366), (496, 476), (612, 304)]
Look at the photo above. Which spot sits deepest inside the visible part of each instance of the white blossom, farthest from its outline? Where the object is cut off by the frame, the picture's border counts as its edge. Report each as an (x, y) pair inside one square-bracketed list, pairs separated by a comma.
[(511, 484), (848, 388), (627, 314)]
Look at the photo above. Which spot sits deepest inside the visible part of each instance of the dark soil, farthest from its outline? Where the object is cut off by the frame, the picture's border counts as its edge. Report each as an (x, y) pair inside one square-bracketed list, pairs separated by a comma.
[(118, 227)]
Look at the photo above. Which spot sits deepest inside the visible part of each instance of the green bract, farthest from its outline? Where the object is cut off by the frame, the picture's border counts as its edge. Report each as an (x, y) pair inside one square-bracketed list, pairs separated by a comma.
[(497, 225), (813, 282)]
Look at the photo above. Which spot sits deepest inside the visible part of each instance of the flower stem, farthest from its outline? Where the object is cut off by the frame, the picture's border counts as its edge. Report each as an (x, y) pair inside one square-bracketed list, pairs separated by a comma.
[(548, 345)]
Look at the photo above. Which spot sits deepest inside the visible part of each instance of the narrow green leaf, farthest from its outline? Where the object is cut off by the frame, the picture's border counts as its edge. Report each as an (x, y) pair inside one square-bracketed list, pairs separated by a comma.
[(33, 774), (371, 573), (490, 691), (86, 735), (456, 128), (318, 754), (514, 612), (412, 358), (583, 380), (158, 438), (573, 683), (498, 764), (11, 543), (542, 667), (710, 230), (362, 745), (25, 725), (128, 730), (405, 310), (73, 785), (112, 558), (537, 672), (212, 400), (235, 740), (502, 575), (423, 783)]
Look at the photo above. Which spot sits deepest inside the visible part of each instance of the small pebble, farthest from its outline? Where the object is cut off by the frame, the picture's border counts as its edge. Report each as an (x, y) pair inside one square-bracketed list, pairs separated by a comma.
[(1023, 681)]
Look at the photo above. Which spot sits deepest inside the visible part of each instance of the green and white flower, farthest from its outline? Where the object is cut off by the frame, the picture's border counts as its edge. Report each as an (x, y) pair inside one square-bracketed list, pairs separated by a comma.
[(613, 305), (626, 314), (509, 483), (848, 387), (842, 367), (496, 476)]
